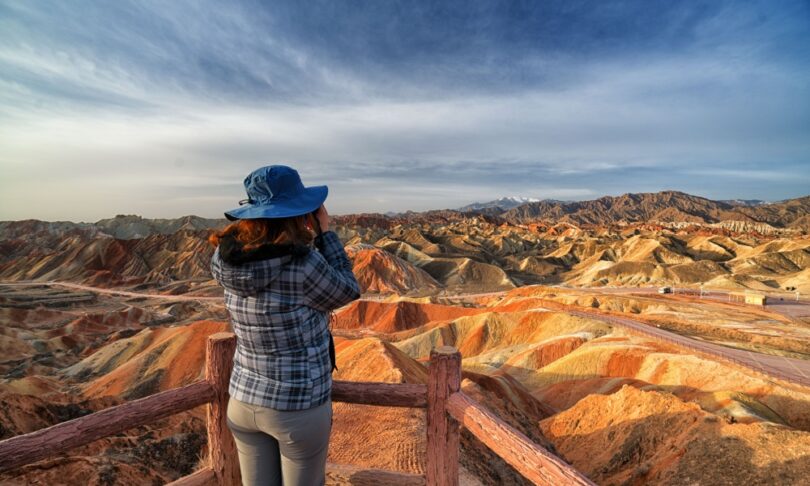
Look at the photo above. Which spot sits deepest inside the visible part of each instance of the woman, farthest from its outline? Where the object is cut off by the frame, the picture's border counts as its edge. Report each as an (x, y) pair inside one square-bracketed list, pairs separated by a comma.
[(279, 291)]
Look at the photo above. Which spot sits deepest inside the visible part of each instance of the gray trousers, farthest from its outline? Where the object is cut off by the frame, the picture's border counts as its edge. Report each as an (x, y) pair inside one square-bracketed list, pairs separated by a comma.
[(279, 446)]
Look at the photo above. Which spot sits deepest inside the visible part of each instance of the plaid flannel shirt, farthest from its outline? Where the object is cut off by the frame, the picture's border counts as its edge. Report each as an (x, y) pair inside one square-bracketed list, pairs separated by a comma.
[(279, 312)]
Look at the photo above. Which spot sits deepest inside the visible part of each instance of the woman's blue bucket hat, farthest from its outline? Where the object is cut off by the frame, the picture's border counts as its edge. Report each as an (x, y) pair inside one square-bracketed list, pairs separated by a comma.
[(276, 191)]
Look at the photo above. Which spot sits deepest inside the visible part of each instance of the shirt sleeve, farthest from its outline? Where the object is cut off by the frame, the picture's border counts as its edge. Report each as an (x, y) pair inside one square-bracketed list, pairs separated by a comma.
[(329, 282), (215, 266)]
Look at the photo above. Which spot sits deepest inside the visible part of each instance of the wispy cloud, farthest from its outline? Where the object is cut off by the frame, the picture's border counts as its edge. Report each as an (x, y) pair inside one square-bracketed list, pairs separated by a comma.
[(162, 108)]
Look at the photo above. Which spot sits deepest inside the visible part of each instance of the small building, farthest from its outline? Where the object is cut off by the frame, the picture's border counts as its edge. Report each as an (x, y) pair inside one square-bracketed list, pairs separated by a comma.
[(748, 298)]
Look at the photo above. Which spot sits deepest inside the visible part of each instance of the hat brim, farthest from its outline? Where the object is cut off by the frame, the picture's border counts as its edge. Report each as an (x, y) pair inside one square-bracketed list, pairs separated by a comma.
[(306, 202)]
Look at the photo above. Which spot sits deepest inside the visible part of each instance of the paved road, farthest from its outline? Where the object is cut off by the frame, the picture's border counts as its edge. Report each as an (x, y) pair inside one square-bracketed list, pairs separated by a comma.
[(787, 369), (782, 303), (783, 368), (787, 296)]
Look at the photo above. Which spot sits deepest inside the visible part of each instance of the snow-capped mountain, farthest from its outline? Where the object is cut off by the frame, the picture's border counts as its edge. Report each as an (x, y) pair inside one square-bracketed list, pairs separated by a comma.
[(745, 202), (502, 203)]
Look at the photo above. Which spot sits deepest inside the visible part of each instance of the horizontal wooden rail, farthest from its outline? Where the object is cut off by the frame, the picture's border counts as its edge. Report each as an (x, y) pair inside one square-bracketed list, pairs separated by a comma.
[(200, 477), (529, 459), (382, 394), (25, 449)]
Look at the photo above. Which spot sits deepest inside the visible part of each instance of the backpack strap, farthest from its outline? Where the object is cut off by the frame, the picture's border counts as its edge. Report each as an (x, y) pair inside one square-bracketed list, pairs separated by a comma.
[(332, 351)]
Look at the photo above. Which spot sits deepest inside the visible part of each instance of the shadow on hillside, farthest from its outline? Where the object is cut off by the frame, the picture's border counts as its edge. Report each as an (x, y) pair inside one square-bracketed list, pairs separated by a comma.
[(685, 448), (698, 447), (779, 409)]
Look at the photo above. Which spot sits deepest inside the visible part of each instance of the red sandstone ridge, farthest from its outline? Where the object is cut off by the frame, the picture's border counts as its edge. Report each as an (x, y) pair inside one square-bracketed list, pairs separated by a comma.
[(380, 437), (154, 360), (388, 317), (104, 261), (382, 272), (393, 438)]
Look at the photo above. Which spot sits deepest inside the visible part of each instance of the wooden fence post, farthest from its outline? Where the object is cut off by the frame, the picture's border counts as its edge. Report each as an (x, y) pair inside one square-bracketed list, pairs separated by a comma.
[(444, 379), (221, 448)]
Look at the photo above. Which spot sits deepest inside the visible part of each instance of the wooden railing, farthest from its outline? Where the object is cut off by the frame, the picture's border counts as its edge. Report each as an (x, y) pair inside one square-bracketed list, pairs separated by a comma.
[(447, 410)]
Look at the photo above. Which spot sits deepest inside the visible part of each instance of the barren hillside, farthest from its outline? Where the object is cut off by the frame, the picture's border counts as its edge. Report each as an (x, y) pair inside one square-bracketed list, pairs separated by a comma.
[(527, 295)]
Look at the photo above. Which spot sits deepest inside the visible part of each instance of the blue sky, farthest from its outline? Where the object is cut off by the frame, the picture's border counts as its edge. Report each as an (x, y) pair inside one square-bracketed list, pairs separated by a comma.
[(162, 108)]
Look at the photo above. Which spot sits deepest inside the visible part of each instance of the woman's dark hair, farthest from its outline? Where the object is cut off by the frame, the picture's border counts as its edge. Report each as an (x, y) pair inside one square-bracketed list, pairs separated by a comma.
[(253, 233)]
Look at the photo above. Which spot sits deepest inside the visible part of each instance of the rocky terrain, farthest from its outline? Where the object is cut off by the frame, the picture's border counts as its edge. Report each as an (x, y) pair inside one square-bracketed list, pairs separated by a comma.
[(559, 378), (667, 206), (640, 239), (523, 297)]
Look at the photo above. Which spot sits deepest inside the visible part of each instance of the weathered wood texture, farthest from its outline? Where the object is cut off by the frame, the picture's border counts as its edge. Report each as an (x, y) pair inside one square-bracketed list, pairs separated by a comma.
[(221, 446), (444, 379), (201, 477), (25, 449), (339, 474), (529, 459), (383, 394)]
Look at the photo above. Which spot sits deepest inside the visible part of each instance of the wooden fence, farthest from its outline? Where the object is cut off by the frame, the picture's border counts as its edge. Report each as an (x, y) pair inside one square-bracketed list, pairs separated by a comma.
[(447, 410)]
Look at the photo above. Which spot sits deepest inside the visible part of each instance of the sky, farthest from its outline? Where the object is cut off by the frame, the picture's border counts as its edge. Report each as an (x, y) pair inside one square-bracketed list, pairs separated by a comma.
[(162, 108)]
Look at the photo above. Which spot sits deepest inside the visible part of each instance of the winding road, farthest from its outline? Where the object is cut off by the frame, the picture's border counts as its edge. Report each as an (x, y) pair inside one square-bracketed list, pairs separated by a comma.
[(796, 371), (125, 293), (791, 370)]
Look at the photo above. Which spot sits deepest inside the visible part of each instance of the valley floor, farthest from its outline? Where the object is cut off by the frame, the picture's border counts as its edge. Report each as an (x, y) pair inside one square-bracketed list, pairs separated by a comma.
[(629, 386)]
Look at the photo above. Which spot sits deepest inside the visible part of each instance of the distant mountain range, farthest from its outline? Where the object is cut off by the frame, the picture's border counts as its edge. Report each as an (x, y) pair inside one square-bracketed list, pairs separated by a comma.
[(502, 203), (132, 226), (658, 207), (491, 248), (505, 203), (665, 206)]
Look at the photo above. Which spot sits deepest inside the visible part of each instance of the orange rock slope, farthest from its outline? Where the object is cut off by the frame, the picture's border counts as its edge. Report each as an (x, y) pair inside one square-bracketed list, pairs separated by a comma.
[(649, 437), (387, 317), (559, 379), (153, 360), (382, 272)]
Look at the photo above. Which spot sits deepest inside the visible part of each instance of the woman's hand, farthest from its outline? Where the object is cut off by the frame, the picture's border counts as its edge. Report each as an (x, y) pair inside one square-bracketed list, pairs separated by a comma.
[(323, 218)]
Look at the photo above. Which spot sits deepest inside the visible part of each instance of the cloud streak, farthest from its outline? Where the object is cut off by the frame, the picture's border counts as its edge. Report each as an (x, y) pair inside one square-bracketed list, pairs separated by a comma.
[(161, 109)]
